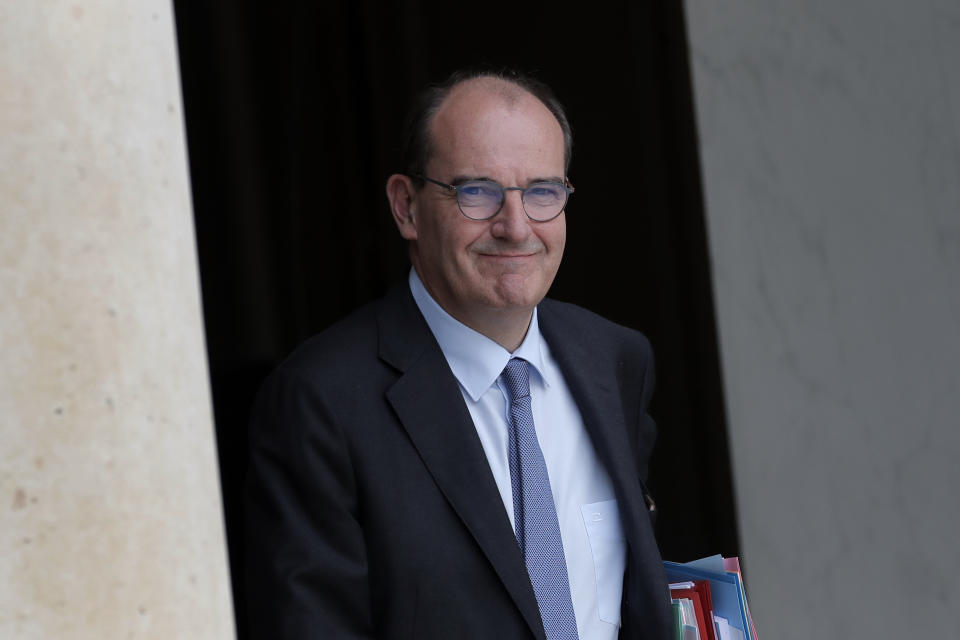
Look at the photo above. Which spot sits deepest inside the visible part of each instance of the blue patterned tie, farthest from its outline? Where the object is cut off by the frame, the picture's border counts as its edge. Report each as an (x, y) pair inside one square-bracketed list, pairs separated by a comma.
[(534, 513)]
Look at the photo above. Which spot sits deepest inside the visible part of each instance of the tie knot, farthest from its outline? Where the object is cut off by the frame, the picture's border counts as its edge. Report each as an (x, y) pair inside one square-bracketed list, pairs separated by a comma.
[(516, 376)]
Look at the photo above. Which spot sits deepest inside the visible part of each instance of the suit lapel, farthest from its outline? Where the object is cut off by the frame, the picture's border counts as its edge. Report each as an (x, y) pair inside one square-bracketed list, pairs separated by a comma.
[(428, 402), (594, 386), (593, 383)]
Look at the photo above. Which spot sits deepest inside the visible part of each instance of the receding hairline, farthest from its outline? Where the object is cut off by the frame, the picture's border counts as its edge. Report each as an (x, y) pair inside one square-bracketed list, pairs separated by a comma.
[(510, 85), (508, 93)]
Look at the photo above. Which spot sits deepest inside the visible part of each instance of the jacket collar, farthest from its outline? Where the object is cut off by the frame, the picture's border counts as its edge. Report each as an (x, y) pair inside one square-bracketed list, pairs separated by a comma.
[(475, 360)]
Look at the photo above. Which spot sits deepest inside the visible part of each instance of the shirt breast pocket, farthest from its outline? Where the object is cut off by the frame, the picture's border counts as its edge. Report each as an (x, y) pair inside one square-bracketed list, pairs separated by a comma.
[(609, 548)]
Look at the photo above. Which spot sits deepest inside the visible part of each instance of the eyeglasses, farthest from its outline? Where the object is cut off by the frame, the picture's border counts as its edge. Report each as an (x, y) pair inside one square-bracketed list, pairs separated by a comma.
[(483, 199)]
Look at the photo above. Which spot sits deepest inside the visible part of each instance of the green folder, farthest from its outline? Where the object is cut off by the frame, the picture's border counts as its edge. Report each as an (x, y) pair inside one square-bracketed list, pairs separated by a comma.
[(677, 621)]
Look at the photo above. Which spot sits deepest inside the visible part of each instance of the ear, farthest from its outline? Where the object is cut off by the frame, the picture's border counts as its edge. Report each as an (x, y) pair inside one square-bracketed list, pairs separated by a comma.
[(402, 196)]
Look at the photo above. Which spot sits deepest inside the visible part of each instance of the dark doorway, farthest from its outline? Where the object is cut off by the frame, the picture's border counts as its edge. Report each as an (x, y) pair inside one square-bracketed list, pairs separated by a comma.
[(293, 113)]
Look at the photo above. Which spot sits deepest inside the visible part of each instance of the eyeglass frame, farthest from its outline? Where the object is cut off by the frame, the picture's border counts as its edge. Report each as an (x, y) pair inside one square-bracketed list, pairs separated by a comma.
[(567, 186)]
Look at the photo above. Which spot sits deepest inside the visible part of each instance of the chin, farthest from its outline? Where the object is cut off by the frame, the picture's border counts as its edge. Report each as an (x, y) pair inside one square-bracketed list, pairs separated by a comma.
[(524, 297)]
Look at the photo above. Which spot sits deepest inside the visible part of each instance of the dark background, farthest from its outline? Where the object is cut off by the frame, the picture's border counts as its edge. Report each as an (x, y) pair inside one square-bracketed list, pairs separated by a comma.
[(293, 112)]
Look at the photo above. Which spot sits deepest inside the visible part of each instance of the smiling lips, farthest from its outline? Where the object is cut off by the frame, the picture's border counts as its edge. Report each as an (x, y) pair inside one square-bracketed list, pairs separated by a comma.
[(505, 251), (507, 255)]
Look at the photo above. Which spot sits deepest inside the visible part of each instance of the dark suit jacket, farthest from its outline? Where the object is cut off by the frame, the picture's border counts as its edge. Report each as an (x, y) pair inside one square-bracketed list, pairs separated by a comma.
[(372, 511)]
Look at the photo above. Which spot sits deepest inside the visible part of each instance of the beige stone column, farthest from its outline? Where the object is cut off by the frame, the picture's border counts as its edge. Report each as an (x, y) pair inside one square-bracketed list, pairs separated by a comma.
[(110, 514)]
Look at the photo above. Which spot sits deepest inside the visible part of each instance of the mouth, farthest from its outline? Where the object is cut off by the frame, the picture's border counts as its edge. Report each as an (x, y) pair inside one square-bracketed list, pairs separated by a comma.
[(507, 255), (522, 255)]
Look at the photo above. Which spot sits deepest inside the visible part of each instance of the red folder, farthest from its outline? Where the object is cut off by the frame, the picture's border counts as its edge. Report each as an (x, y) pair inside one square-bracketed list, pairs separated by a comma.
[(702, 604)]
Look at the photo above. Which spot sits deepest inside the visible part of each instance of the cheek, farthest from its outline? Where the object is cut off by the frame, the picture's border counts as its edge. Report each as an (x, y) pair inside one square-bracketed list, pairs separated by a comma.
[(449, 252), (561, 241), (461, 243), (438, 239), (555, 238)]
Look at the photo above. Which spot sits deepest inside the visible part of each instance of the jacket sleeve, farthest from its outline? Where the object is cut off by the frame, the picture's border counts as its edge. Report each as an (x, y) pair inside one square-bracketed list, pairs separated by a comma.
[(306, 564)]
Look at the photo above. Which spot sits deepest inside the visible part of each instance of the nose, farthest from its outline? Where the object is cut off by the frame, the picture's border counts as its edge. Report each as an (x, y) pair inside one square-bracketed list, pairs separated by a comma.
[(511, 223)]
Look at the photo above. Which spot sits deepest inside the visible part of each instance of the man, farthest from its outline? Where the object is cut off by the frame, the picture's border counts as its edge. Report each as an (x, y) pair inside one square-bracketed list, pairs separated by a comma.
[(462, 459)]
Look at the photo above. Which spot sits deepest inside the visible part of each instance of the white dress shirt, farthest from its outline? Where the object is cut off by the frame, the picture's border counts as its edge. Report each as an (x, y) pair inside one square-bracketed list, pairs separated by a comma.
[(593, 541)]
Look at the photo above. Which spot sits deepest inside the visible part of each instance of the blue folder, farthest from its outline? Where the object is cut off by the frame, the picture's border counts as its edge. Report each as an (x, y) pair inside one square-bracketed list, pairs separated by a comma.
[(725, 590)]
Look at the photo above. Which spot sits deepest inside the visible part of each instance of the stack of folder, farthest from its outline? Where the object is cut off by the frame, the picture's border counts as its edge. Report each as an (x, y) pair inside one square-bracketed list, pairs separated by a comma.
[(709, 602)]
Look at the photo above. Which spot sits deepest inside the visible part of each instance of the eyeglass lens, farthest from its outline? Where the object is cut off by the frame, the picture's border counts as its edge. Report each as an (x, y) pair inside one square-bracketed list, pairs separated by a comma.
[(482, 199)]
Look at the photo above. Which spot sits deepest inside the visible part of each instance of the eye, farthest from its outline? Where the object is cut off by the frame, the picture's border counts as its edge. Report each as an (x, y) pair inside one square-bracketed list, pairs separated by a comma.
[(545, 191), (479, 190)]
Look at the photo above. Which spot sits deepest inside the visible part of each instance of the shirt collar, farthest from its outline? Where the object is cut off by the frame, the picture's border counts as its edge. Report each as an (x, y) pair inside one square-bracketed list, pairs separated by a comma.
[(476, 360)]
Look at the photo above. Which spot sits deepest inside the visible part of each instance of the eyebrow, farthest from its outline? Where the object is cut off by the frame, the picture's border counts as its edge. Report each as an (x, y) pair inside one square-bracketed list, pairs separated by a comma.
[(458, 180)]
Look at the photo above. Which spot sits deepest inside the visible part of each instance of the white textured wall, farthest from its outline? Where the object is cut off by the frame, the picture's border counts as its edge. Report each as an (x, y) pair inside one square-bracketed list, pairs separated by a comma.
[(830, 142), (110, 517)]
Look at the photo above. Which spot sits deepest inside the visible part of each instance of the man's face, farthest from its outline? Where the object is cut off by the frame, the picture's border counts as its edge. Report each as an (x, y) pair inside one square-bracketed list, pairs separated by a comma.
[(477, 270)]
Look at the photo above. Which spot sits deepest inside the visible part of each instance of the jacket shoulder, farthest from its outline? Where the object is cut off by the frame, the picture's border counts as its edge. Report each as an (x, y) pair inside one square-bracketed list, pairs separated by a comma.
[(592, 328), (367, 348), (347, 342)]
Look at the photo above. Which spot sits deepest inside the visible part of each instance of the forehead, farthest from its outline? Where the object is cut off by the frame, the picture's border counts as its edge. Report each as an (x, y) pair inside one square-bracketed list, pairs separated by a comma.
[(488, 127)]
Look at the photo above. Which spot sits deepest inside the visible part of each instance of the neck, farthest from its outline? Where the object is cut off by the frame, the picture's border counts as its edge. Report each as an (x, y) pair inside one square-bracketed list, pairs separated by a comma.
[(508, 329)]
